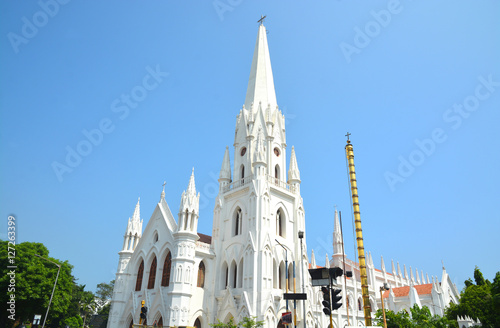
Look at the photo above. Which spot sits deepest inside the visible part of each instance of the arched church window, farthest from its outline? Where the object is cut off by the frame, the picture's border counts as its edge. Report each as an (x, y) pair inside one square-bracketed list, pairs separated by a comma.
[(359, 304), (237, 222), (277, 173), (280, 277), (227, 277), (167, 265), (197, 323), (155, 237), (242, 173), (160, 322), (152, 274), (140, 272), (280, 222), (201, 275), (235, 274)]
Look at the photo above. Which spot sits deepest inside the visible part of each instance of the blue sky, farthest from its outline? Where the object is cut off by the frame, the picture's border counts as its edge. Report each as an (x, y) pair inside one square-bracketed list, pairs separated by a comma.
[(417, 83)]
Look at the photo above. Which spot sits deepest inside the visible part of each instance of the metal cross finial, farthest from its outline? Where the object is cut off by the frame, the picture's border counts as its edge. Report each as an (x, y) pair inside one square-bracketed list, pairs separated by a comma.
[(347, 135), (261, 20), (164, 183)]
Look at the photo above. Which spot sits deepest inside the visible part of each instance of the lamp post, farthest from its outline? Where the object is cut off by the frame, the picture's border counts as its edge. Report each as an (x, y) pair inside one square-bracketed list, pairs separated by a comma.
[(382, 289), (301, 236), (53, 289)]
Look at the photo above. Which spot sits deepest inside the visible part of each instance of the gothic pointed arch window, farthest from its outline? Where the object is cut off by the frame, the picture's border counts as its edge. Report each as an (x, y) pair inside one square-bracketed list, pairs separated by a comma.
[(227, 277), (277, 173), (280, 277), (201, 275), (234, 270), (238, 221), (167, 266), (140, 272), (160, 322), (152, 274), (359, 304), (197, 323), (280, 223), (242, 171)]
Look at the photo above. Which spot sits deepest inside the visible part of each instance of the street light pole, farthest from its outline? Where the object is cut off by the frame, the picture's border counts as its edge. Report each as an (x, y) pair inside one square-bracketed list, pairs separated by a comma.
[(301, 236), (53, 289), (382, 289)]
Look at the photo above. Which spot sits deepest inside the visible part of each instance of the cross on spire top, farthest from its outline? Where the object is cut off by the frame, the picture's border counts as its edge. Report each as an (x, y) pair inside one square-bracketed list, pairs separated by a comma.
[(164, 183), (347, 135), (261, 20)]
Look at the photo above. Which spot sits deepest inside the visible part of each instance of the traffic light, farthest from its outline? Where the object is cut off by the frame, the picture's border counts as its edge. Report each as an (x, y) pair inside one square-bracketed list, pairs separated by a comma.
[(336, 298), (144, 312), (326, 300)]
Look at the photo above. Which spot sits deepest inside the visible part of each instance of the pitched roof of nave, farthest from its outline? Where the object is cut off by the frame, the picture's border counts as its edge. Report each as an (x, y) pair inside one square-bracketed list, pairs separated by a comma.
[(205, 238), (405, 291)]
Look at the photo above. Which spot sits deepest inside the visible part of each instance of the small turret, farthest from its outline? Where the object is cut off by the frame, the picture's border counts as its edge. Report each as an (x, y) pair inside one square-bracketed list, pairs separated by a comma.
[(189, 208), (259, 155), (293, 171), (225, 171), (134, 230), (313, 260), (337, 236)]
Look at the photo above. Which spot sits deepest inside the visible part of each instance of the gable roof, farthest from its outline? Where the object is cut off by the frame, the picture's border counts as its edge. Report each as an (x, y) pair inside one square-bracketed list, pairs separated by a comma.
[(404, 291)]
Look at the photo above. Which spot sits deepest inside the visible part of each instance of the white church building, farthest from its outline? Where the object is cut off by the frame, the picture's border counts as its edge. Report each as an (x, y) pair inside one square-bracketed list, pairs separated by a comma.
[(190, 279)]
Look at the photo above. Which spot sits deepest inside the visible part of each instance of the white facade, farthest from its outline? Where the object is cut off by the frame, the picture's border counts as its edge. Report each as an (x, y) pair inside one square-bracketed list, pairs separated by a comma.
[(190, 279)]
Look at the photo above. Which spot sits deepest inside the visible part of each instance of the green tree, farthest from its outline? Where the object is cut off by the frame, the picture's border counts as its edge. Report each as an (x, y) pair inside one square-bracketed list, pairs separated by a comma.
[(479, 301), (478, 277), (251, 323), (88, 305), (104, 293), (418, 318), (246, 322), (34, 280), (229, 324), (394, 320)]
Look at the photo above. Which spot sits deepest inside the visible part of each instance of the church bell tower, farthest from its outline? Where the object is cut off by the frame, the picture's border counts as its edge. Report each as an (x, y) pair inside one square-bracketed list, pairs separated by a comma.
[(258, 211)]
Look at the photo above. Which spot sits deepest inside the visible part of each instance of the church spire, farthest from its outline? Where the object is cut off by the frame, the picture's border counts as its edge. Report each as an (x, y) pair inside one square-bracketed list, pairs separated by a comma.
[(337, 236), (293, 171), (261, 84), (225, 170)]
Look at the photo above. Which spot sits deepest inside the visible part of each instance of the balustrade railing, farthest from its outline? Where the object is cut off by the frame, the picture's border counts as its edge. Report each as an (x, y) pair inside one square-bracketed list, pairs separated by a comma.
[(246, 180)]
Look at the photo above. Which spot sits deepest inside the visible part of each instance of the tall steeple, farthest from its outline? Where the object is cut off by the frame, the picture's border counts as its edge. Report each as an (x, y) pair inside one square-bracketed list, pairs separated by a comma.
[(261, 84)]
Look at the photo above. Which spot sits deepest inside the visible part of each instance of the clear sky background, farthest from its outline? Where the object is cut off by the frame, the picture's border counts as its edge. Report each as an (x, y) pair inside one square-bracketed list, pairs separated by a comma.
[(394, 74)]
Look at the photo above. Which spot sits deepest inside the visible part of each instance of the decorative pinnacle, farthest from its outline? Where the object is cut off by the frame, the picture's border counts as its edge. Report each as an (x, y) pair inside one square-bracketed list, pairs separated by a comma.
[(163, 191)]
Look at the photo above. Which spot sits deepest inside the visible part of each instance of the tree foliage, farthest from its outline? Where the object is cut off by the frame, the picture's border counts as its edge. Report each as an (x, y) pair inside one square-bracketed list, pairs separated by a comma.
[(34, 281), (244, 323), (418, 318), (479, 301)]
